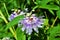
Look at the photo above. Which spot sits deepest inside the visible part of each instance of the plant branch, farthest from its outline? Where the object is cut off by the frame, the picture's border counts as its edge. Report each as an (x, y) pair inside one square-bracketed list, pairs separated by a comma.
[(45, 14), (54, 22)]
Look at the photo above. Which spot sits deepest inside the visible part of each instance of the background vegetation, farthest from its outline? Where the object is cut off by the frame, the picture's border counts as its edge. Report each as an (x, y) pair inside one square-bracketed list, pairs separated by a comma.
[(49, 8)]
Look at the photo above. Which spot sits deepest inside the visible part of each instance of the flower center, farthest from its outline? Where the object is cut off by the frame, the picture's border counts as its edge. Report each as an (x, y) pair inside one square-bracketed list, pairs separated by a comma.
[(31, 19)]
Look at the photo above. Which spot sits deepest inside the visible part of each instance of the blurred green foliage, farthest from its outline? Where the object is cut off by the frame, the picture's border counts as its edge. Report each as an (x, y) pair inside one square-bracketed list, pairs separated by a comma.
[(49, 8)]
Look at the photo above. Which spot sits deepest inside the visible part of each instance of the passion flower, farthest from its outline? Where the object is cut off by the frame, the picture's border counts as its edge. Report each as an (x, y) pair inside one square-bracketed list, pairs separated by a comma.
[(31, 23)]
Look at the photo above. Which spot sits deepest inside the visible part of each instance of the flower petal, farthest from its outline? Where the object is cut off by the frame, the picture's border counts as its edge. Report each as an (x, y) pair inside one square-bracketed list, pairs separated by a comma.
[(35, 29), (23, 28)]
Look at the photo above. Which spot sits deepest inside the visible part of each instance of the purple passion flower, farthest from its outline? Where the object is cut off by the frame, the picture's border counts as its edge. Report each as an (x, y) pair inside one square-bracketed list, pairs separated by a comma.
[(12, 16), (31, 23)]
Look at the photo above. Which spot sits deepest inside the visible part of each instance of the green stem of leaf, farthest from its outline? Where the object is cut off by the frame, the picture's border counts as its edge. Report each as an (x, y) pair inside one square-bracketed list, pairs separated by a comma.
[(54, 22)]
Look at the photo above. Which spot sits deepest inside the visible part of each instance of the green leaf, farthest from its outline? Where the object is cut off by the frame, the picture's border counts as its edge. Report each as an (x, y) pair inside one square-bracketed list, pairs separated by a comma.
[(12, 4), (20, 34), (22, 6), (14, 21), (50, 7), (45, 1), (3, 34), (46, 22), (29, 38), (1, 20), (38, 2), (58, 14), (54, 32), (28, 2), (1, 27), (51, 11)]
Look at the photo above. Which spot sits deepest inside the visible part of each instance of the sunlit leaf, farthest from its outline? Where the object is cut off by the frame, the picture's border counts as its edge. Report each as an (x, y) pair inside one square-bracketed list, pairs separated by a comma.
[(52, 7), (51, 11), (45, 1), (14, 21), (58, 14), (53, 33), (20, 34)]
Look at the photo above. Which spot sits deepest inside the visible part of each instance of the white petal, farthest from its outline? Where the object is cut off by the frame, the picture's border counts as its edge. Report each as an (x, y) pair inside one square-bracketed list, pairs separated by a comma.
[(27, 31), (33, 15), (40, 26), (19, 25), (41, 17), (36, 29), (21, 13), (9, 19), (23, 28), (26, 9), (6, 38), (30, 31)]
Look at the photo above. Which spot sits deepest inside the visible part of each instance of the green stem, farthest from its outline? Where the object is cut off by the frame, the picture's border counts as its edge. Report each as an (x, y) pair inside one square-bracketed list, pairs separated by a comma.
[(52, 26), (54, 22), (33, 9), (6, 9), (45, 14), (0, 17), (14, 34), (29, 38), (14, 29), (47, 37)]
